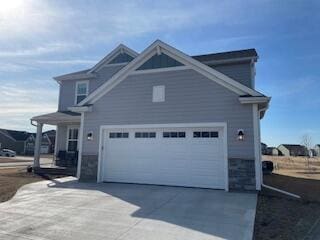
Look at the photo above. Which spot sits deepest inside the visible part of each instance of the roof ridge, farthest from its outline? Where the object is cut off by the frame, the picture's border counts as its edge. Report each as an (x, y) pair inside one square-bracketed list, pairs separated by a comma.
[(226, 52)]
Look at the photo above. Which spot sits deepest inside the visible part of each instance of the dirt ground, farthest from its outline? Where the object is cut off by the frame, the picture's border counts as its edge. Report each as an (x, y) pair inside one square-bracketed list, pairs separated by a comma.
[(11, 179), (281, 217)]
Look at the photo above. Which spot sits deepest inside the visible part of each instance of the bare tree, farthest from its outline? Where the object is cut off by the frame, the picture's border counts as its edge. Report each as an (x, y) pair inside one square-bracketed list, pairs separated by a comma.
[(306, 141)]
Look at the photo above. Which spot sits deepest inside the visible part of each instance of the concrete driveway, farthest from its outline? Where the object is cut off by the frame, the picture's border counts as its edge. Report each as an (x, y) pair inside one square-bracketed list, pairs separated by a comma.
[(66, 209)]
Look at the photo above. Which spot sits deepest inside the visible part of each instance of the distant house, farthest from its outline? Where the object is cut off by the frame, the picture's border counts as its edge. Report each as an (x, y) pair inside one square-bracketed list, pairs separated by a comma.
[(292, 150), (317, 150), (14, 140), (24, 142), (263, 148), (47, 144), (272, 151)]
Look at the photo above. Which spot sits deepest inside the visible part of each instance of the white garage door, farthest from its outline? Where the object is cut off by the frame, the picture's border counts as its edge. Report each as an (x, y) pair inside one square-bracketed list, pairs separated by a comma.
[(191, 157)]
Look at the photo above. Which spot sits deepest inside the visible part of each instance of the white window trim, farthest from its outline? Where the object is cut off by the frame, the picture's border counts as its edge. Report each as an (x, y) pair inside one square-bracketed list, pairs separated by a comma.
[(67, 137), (158, 93), (76, 90)]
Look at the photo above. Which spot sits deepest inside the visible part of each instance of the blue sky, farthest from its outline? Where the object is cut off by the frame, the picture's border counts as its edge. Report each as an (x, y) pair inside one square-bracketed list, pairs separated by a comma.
[(42, 39)]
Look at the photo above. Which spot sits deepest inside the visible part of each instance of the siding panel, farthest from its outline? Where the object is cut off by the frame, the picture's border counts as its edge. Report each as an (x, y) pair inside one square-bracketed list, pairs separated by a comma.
[(190, 98), (240, 72), (67, 88)]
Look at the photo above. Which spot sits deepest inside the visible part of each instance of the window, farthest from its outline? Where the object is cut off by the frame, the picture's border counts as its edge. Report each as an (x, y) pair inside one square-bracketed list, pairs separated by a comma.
[(72, 139), (174, 134), (82, 89), (206, 134), (158, 94), (118, 135), (145, 135)]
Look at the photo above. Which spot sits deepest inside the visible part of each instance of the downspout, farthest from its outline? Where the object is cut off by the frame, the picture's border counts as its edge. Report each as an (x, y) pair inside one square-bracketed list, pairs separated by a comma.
[(267, 186)]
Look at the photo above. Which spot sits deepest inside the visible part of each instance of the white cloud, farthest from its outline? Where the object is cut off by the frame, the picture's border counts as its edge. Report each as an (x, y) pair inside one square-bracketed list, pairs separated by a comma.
[(14, 68), (21, 102), (68, 62), (55, 47)]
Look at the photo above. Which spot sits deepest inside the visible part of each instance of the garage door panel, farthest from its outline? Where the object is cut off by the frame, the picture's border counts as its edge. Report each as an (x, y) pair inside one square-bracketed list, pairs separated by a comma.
[(185, 161)]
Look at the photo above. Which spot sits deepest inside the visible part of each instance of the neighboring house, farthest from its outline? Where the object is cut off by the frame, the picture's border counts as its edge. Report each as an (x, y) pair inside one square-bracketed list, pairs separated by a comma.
[(263, 148), (317, 149), (272, 151), (47, 143), (14, 140), (292, 150), (162, 117), (23, 142)]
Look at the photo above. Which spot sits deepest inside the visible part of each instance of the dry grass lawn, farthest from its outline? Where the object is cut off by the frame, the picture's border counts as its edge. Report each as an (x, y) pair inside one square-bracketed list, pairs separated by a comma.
[(282, 217), (11, 179)]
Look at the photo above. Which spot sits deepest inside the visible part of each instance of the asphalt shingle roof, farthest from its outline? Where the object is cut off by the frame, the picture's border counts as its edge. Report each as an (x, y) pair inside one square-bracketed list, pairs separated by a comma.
[(246, 53), (16, 135)]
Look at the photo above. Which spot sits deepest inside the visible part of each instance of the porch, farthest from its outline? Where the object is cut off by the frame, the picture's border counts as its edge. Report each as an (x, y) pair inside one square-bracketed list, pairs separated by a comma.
[(65, 159)]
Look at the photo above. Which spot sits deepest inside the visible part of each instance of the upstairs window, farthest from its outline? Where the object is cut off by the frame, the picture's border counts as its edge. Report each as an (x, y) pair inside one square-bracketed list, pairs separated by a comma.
[(82, 90)]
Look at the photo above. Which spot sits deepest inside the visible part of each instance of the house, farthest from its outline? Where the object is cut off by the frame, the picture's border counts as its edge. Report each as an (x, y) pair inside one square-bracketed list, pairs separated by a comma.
[(272, 151), (47, 143), (14, 140), (263, 148), (317, 149), (292, 150), (162, 117), (23, 142)]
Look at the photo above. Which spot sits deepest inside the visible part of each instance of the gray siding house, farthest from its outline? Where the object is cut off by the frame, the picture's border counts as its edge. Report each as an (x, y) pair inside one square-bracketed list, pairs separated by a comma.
[(162, 117), (14, 140), (22, 142), (292, 150)]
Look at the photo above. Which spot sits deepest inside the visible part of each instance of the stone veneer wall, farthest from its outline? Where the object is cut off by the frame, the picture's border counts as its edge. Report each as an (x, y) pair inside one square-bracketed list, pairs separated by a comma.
[(89, 168), (242, 174)]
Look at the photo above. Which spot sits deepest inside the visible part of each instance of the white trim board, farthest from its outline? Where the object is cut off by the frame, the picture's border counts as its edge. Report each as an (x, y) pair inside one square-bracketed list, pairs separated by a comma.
[(179, 56), (170, 125), (80, 143), (120, 49), (257, 145)]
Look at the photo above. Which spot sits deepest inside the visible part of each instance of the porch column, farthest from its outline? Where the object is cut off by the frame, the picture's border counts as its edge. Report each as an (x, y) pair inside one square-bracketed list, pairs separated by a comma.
[(36, 161)]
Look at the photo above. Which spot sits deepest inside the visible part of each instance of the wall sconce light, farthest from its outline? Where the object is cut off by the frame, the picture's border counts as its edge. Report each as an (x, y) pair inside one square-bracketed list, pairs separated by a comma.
[(240, 135), (90, 136)]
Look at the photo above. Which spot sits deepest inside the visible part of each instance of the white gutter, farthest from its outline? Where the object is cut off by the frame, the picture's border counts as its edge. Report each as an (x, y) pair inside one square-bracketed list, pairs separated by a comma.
[(270, 187)]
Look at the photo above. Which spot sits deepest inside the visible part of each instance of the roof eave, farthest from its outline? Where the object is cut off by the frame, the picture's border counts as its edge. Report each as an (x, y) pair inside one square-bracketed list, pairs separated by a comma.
[(231, 60)]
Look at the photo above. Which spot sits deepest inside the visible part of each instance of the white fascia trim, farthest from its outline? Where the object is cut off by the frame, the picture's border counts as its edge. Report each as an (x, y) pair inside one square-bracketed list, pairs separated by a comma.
[(231, 60), (158, 70), (257, 145), (119, 76), (250, 100), (170, 125), (120, 49), (202, 68), (74, 77), (80, 109), (183, 58), (116, 64)]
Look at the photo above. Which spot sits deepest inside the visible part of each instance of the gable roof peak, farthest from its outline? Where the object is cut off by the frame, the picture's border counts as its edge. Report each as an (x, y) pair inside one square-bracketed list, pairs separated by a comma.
[(121, 48), (160, 47)]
